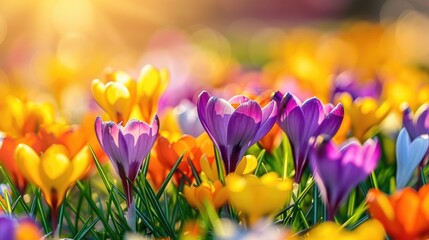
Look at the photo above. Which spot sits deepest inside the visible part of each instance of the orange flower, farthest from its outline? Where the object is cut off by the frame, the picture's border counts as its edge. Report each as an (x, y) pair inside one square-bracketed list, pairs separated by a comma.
[(169, 151), (404, 215)]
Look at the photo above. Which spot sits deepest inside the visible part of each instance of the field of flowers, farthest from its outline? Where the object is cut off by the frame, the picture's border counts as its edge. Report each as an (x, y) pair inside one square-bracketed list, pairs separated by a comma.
[(314, 132)]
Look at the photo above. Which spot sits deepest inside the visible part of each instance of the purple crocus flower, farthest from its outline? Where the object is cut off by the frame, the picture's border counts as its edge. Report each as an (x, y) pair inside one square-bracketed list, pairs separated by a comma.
[(347, 82), (127, 147), (300, 122), (234, 125), (337, 170)]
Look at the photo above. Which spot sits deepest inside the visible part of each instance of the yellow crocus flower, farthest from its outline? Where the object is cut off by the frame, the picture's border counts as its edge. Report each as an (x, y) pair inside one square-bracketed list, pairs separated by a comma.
[(116, 97), (22, 117), (54, 171), (151, 83), (365, 115), (369, 230), (258, 197)]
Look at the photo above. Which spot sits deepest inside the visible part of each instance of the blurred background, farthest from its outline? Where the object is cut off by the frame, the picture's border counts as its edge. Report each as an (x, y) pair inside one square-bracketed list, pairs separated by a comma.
[(57, 47)]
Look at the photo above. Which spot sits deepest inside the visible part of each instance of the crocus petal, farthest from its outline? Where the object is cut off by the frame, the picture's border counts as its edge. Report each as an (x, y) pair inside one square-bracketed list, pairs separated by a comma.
[(202, 102), (332, 122), (291, 120), (239, 99), (314, 113), (115, 148), (422, 123), (269, 117), (371, 153), (99, 129), (28, 163), (407, 121), (242, 128), (81, 163), (218, 113), (409, 155), (244, 123)]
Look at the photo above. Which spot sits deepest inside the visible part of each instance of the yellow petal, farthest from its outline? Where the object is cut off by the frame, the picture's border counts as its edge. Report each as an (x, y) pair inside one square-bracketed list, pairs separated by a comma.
[(152, 82), (116, 92), (247, 165), (370, 230), (55, 162), (28, 163), (80, 164), (98, 90)]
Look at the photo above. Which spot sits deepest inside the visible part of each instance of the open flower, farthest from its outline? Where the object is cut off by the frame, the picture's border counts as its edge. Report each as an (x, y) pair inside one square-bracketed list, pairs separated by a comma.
[(408, 156), (19, 229), (404, 215), (127, 147), (338, 170), (234, 125), (54, 171), (117, 96), (300, 122), (258, 197)]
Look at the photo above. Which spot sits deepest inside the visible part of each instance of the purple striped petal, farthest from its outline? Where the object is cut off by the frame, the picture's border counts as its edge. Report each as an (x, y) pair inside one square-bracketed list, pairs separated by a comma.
[(239, 99), (244, 123), (313, 114), (269, 117), (202, 102), (407, 121), (99, 130), (138, 142), (115, 147), (291, 120), (218, 113), (332, 122)]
